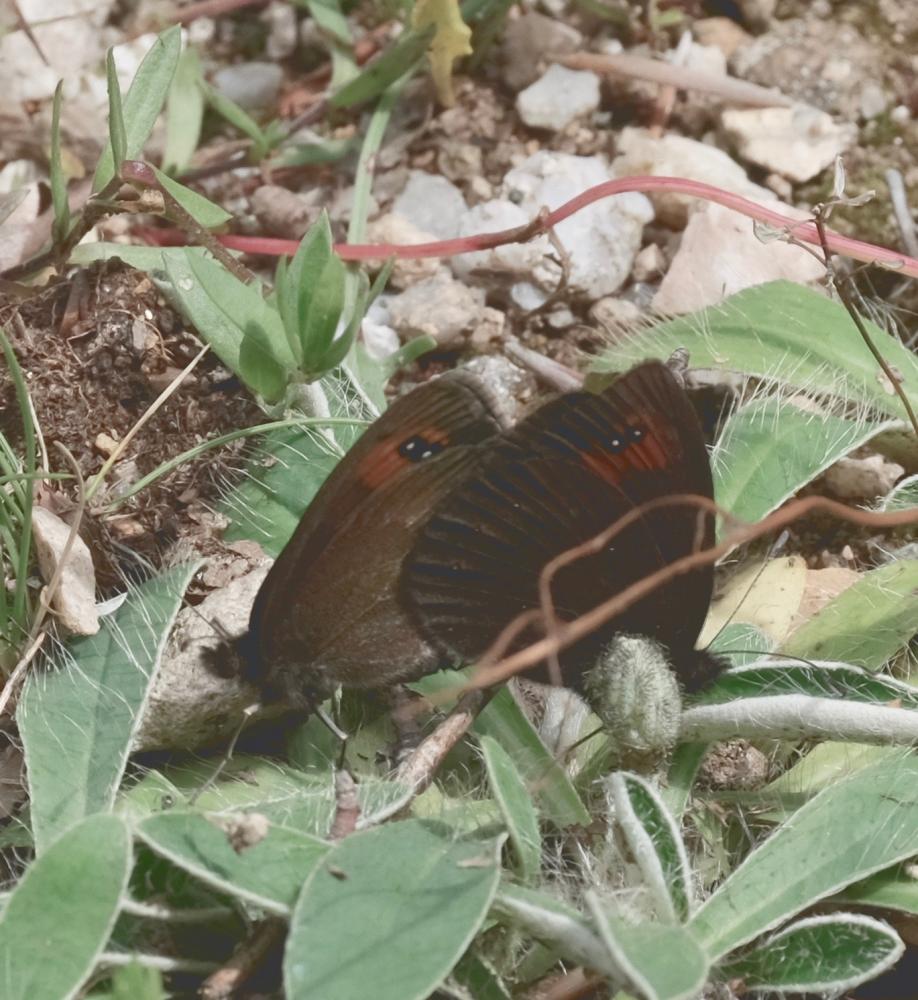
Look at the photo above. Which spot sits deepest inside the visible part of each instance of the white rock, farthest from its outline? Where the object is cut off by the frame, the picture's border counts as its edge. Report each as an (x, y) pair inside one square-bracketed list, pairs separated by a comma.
[(649, 264), (720, 254), (559, 97), (641, 153), (601, 240), (393, 228), (531, 40), (511, 258), (71, 36), (283, 30), (512, 386), (190, 703), (873, 100), (74, 600), (440, 307), (616, 316), (798, 142), (863, 478), (252, 85), (432, 203)]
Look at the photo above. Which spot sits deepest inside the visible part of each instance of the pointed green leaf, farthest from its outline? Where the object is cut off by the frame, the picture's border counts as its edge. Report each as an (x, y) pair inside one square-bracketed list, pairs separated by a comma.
[(60, 915), (78, 717)]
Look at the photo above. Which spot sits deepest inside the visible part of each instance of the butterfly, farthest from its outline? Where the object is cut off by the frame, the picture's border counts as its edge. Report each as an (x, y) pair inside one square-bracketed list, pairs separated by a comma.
[(429, 536)]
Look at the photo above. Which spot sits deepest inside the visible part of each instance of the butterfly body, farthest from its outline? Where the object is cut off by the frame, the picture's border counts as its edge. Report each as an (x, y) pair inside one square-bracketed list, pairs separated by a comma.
[(431, 534)]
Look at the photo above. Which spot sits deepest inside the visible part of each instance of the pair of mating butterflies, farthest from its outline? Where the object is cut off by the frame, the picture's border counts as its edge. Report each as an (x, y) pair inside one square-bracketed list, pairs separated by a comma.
[(429, 536)]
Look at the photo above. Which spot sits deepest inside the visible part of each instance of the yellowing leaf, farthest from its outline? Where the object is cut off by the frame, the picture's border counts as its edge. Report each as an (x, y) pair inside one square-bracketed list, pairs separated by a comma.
[(449, 43)]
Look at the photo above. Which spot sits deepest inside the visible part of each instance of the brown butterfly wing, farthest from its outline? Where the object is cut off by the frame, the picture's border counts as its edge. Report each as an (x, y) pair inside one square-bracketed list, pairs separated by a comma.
[(557, 479), (328, 611)]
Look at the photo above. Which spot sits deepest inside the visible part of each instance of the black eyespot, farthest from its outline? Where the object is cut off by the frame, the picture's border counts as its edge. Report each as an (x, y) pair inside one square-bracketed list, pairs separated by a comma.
[(418, 448)]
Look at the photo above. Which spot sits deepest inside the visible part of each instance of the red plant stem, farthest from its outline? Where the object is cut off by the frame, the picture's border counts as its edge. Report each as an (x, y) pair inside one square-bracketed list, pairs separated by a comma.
[(802, 231)]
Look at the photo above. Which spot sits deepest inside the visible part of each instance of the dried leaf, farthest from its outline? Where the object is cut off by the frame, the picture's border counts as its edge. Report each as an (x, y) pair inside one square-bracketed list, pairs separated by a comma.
[(449, 43)]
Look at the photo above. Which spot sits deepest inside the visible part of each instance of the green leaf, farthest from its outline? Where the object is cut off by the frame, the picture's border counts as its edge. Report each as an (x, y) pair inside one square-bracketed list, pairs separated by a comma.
[(117, 136), (830, 954), (86, 709), (60, 915), (848, 831), (892, 889), (56, 172), (143, 102), (395, 62), (238, 118), (310, 295), (479, 979), (784, 332), (820, 679), (292, 464), (201, 209), (395, 907), (903, 496), (136, 982), (184, 113), (243, 330), (866, 624), (515, 803), (268, 874), (663, 962), (655, 843), (287, 797), (770, 449)]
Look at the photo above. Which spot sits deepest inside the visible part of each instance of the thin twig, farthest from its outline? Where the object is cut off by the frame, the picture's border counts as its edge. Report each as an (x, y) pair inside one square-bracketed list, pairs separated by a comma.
[(347, 805), (224, 983), (680, 77), (899, 201), (419, 769), (552, 372), (842, 292)]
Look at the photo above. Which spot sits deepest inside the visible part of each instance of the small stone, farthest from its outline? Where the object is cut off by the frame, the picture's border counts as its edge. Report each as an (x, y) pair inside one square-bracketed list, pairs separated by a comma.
[(863, 478), (282, 212), (618, 317), (440, 307), (532, 40), (513, 387), (873, 100), (720, 254), (252, 85), (74, 600), (649, 264), (722, 33), (105, 444), (798, 142), (459, 161), (393, 228), (559, 97), (282, 30), (432, 203), (900, 115), (600, 243), (511, 258), (641, 153), (561, 318), (489, 329)]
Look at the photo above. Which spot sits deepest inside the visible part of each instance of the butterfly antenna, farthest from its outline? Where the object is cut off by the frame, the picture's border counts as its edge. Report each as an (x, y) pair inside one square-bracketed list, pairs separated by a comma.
[(774, 550), (247, 714)]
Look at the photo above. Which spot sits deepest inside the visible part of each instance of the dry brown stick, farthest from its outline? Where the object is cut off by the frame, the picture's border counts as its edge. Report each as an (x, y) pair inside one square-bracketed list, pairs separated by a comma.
[(419, 769), (680, 77), (819, 217), (223, 984), (347, 805)]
